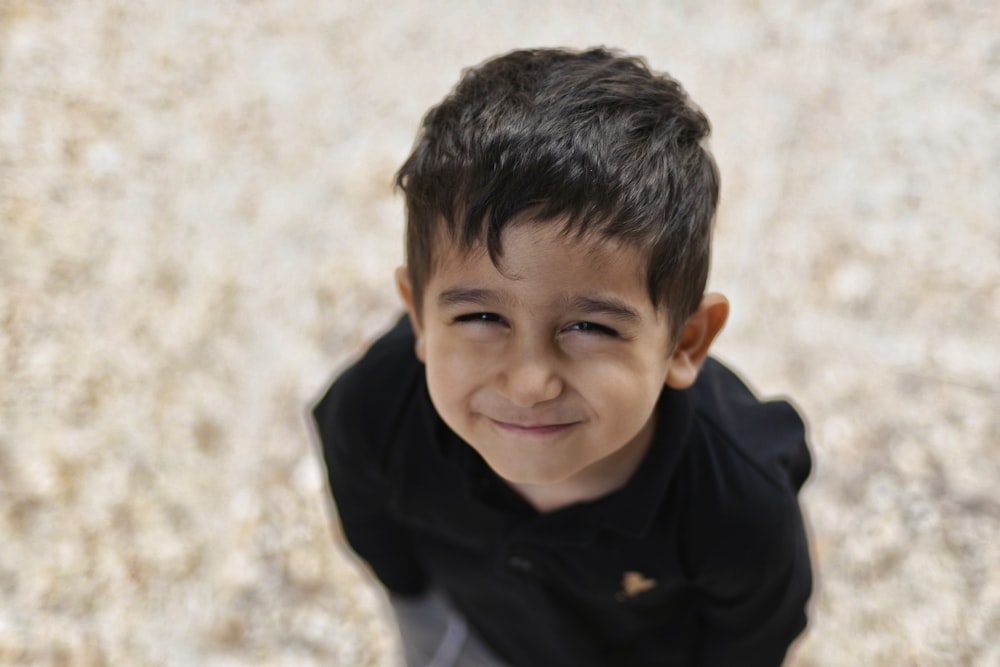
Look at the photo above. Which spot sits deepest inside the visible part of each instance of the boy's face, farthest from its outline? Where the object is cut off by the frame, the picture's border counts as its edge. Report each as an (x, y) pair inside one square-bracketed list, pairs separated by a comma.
[(551, 369)]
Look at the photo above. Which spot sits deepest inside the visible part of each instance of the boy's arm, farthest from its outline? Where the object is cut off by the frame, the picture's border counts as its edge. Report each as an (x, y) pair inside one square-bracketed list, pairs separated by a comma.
[(750, 616), (361, 491)]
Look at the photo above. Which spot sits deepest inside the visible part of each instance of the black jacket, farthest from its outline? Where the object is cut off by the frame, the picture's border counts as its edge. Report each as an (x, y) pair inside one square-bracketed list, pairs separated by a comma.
[(701, 559)]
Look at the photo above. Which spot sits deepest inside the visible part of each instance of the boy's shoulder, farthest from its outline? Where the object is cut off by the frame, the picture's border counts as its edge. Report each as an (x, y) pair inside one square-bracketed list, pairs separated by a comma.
[(768, 435), (364, 402), (748, 462)]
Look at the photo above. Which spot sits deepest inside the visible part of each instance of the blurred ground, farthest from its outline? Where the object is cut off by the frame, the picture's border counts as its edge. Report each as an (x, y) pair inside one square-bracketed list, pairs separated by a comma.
[(197, 229)]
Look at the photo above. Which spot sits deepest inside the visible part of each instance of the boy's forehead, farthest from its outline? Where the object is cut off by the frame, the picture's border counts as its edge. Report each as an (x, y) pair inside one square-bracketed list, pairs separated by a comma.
[(530, 244)]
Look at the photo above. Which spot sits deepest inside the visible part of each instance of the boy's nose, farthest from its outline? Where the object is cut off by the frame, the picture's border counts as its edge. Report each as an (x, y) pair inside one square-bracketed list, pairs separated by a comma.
[(529, 378)]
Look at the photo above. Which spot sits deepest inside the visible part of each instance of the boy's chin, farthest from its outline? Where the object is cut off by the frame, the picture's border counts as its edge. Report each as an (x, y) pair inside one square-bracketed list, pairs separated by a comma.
[(517, 474), (526, 480)]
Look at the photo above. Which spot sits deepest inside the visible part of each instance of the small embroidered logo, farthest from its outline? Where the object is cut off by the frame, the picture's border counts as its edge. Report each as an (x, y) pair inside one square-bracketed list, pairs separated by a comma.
[(634, 583)]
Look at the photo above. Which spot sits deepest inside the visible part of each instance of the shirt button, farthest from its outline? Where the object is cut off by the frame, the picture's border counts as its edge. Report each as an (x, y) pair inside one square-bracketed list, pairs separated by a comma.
[(520, 564)]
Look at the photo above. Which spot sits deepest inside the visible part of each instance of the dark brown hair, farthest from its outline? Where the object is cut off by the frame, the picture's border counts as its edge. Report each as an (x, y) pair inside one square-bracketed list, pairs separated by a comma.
[(594, 139)]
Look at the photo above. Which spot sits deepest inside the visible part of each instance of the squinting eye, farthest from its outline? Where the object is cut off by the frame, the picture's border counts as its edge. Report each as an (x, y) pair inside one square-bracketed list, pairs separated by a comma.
[(592, 327), (479, 317)]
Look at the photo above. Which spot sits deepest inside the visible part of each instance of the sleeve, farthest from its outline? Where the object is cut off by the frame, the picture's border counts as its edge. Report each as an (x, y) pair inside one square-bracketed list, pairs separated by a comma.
[(750, 615), (350, 431)]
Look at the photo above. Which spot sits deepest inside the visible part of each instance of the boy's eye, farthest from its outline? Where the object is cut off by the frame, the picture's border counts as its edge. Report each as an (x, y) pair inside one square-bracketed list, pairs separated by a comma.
[(593, 327), (479, 317)]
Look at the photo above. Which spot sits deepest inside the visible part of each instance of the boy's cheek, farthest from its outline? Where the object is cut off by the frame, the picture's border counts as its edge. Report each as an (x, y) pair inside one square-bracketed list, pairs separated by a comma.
[(440, 360), (455, 365)]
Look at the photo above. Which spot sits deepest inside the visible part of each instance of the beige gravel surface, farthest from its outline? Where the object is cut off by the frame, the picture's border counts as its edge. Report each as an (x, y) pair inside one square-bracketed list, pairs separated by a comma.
[(197, 228)]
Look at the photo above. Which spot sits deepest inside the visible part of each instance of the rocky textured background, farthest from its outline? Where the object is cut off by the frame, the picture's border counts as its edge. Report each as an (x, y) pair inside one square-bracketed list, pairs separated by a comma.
[(197, 229)]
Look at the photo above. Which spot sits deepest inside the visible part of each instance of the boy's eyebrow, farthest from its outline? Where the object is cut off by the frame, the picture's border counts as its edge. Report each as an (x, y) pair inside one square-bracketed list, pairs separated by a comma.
[(605, 306), (461, 296)]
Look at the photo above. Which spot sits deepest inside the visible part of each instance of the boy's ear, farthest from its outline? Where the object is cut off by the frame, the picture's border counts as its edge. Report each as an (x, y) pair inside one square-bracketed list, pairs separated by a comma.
[(406, 294), (696, 337)]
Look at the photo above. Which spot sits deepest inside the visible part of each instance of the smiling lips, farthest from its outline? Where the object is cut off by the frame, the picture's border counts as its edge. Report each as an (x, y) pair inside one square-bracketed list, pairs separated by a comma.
[(536, 429)]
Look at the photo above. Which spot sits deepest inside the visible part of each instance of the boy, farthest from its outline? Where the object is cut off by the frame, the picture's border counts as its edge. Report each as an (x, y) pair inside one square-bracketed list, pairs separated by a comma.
[(541, 464)]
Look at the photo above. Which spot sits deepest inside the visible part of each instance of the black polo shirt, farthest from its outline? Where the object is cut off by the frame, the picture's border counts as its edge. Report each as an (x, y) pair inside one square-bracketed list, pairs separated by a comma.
[(700, 559)]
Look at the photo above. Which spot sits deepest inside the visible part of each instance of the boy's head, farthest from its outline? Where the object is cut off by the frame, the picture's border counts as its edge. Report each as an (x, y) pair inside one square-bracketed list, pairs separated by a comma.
[(593, 139), (559, 217)]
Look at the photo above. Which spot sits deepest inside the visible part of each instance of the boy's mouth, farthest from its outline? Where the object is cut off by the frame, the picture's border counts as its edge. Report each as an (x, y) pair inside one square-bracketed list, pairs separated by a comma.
[(532, 428)]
